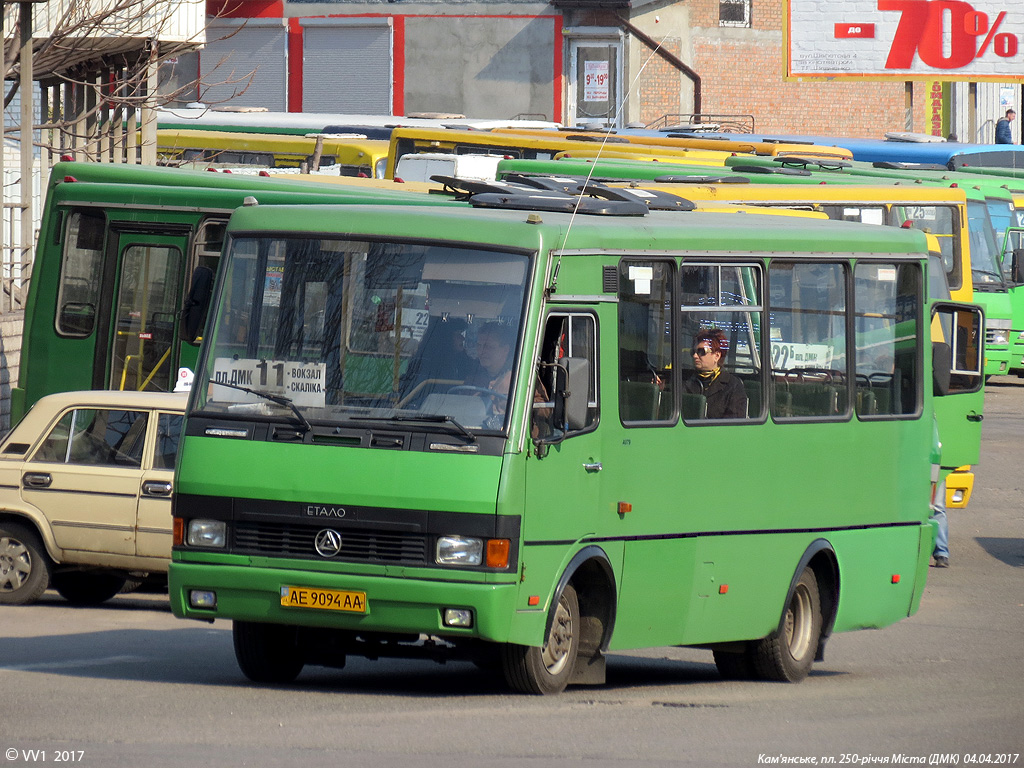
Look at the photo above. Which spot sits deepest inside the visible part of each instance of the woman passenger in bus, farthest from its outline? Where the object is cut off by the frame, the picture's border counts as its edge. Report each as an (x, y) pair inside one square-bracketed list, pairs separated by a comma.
[(726, 398)]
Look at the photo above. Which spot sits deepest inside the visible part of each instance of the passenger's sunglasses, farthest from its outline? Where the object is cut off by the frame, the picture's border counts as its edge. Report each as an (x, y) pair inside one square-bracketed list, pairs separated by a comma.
[(700, 351)]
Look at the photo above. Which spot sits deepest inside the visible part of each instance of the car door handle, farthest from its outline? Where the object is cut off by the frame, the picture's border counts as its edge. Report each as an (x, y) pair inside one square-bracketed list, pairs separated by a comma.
[(156, 488), (974, 416), (37, 479)]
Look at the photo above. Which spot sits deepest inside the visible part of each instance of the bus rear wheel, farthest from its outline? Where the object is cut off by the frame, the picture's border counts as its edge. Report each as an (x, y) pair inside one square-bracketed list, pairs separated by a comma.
[(787, 654), (267, 653), (547, 670)]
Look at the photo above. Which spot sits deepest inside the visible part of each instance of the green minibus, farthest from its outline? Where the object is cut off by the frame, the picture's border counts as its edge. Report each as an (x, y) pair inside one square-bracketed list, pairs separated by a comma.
[(485, 434)]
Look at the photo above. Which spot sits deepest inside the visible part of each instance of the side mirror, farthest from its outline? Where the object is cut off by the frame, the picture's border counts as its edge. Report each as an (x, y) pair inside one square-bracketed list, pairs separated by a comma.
[(1017, 266), (942, 367), (193, 313), (572, 396)]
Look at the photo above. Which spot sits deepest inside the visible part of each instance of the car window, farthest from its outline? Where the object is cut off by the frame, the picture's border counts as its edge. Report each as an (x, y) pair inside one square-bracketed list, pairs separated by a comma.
[(168, 430), (96, 436)]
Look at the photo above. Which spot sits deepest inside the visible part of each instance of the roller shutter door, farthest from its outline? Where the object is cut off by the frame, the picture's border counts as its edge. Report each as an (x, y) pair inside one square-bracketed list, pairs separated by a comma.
[(258, 46), (346, 67)]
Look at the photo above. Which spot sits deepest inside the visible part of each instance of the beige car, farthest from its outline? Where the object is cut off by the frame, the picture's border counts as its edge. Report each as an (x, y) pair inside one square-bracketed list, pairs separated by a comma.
[(86, 480)]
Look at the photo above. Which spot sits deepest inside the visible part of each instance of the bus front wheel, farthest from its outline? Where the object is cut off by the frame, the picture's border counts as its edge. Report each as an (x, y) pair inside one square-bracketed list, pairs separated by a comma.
[(787, 654), (267, 653), (547, 670)]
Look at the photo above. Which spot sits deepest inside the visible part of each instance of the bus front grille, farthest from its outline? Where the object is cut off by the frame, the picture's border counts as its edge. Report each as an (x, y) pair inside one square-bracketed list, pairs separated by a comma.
[(365, 546)]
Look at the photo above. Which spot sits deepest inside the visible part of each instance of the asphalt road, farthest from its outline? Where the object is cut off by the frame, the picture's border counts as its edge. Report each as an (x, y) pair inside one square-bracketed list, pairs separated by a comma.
[(129, 685)]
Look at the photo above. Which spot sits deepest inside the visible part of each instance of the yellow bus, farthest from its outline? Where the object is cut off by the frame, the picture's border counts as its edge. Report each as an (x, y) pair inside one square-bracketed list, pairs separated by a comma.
[(354, 153), (677, 141), (532, 145)]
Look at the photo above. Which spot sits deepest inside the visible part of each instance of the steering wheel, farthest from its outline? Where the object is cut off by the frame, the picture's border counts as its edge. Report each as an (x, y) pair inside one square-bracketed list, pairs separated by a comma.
[(467, 388), (493, 420)]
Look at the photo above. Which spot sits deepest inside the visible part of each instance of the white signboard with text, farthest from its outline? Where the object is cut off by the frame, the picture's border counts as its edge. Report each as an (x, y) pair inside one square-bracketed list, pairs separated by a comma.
[(302, 383), (906, 39)]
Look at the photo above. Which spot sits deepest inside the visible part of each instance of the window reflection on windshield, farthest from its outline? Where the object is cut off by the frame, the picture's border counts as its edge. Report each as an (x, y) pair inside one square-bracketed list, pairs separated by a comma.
[(349, 329)]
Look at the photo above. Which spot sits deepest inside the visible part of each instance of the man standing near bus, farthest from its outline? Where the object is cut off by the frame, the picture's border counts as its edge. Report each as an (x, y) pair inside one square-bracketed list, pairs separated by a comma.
[(1003, 132)]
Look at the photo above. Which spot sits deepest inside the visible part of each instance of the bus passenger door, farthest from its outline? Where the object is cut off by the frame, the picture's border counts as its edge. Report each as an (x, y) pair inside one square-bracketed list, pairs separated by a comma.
[(562, 484), (144, 316), (958, 405)]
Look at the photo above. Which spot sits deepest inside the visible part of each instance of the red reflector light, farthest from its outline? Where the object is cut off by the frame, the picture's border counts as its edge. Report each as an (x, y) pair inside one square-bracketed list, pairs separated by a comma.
[(895, 578), (70, 179), (399, 180), (264, 173), (534, 600), (67, 158), (624, 507), (723, 589)]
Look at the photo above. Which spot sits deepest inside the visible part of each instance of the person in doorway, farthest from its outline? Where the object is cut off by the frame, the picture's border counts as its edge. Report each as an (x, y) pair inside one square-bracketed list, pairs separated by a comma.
[(1004, 135), (725, 395)]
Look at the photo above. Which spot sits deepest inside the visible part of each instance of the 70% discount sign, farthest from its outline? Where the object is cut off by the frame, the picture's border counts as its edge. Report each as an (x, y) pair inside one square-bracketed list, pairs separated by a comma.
[(945, 34)]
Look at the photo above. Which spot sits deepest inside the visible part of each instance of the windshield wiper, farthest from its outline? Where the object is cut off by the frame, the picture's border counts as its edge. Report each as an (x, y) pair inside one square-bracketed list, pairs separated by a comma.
[(427, 419), (278, 399)]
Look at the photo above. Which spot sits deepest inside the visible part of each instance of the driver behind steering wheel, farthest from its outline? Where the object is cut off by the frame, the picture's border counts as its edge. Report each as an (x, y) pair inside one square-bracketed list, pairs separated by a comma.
[(494, 354)]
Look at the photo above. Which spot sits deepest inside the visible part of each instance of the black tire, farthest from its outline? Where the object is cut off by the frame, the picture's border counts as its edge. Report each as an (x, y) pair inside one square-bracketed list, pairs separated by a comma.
[(87, 587), (267, 653), (24, 565), (787, 654), (735, 666), (547, 670)]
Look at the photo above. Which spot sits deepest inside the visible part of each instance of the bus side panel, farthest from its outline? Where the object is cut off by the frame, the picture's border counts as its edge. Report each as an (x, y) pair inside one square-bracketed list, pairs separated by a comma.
[(543, 567), (653, 602), (742, 593), (879, 573)]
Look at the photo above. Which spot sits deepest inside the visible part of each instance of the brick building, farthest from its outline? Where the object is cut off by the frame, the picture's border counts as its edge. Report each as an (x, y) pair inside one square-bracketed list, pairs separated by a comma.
[(575, 61)]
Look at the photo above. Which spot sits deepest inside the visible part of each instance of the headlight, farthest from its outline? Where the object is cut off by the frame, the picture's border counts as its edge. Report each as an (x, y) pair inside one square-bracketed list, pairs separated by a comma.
[(207, 533), (1000, 336), (459, 550)]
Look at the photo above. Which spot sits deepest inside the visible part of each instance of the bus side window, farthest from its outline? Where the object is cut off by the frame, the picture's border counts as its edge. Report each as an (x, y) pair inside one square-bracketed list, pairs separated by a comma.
[(723, 301), (886, 340), (807, 311), (645, 342), (80, 274), (565, 335)]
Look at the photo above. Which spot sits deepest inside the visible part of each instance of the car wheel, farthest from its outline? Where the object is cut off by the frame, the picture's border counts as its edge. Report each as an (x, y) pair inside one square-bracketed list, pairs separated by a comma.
[(87, 587), (24, 565)]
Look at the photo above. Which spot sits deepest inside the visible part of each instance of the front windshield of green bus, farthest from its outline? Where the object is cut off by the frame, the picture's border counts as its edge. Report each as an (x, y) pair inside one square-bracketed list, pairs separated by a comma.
[(329, 330), (984, 249), (1000, 211)]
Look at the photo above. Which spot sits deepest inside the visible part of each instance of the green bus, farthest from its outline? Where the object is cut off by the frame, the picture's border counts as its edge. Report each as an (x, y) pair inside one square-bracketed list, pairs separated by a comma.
[(990, 206), (480, 434), (114, 300), (984, 205)]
